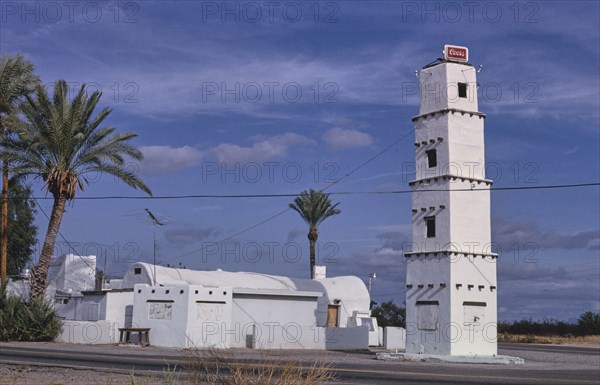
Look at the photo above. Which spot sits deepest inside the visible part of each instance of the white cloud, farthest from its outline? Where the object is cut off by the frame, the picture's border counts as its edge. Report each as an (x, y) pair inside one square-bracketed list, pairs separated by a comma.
[(341, 139), (165, 159), (275, 147)]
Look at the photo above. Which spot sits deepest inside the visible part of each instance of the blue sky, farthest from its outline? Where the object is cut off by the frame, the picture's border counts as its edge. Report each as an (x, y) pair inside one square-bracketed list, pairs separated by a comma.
[(236, 98)]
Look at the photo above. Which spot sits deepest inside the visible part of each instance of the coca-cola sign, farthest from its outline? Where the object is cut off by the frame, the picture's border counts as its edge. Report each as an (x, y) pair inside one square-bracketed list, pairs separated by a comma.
[(457, 53)]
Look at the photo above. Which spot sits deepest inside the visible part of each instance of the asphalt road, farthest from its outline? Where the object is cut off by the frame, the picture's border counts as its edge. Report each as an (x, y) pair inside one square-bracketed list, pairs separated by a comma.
[(545, 364), (561, 349)]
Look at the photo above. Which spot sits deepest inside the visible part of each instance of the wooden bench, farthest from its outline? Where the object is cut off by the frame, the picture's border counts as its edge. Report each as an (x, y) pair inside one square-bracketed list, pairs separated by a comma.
[(143, 335)]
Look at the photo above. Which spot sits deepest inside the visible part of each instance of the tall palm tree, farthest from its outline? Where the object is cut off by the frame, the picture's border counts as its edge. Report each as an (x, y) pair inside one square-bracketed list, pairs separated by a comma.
[(314, 207), (60, 144), (16, 81)]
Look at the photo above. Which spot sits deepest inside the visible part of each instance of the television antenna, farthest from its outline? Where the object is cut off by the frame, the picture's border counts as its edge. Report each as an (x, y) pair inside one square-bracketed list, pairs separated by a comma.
[(156, 223)]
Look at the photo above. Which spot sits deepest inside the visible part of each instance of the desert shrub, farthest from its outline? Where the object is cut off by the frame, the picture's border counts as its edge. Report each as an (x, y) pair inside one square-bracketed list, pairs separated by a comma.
[(219, 367), (21, 320)]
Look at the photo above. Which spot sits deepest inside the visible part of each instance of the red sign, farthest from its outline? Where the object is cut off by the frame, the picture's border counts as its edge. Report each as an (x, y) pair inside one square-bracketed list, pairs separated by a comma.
[(457, 53)]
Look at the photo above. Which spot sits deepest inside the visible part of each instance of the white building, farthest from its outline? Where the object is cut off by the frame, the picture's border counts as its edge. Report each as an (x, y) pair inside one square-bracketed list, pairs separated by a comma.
[(238, 309), (186, 308), (451, 271), (68, 275)]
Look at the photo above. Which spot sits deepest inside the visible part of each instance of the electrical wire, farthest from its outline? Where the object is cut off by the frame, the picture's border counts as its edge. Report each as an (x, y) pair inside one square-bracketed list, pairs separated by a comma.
[(290, 195), (63, 238)]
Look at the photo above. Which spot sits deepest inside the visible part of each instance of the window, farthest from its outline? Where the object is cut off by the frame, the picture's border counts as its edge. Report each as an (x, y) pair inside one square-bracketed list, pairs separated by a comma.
[(137, 270), (428, 315), (430, 226), (431, 158), (462, 90)]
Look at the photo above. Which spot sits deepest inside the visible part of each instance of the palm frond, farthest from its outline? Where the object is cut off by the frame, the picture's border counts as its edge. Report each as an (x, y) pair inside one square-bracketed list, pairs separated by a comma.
[(62, 141), (314, 207)]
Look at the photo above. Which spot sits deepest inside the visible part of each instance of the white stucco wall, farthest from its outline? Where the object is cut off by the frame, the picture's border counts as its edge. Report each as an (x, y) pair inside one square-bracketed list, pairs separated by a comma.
[(199, 316), (83, 332), (431, 203), (349, 292), (67, 273), (189, 308), (71, 273), (394, 338), (477, 279), (273, 319), (439, 90), (119, 308), (470, 223), (425, 278), (184, 315)]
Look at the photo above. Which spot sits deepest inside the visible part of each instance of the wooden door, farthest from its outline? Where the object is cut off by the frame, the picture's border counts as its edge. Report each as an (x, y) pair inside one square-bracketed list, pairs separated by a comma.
[(332, 316)]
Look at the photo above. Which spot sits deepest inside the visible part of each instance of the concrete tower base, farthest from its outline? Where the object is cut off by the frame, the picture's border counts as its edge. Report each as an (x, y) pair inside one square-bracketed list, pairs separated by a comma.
[(491, 360)]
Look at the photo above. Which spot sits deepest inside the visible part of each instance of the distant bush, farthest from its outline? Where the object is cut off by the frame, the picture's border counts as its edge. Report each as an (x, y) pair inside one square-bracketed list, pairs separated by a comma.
[(35, 320), (389, 314), (588, 324)]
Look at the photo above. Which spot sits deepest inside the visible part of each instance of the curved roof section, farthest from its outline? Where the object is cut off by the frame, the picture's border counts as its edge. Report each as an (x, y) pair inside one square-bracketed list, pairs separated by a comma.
[(344, 286)]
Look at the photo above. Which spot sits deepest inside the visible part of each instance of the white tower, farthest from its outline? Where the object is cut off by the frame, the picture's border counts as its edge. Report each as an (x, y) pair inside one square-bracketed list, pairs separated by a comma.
[(451, 272)]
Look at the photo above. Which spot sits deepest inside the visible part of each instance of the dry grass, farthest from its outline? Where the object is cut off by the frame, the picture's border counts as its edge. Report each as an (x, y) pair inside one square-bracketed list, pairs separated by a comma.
[(532, 339), (219, 367)]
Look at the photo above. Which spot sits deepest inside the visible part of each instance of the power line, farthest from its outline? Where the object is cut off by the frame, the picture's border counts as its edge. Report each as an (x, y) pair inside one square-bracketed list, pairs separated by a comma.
[(63, 238), (377, 155), (289, 195), (294, 195), (231, 236)]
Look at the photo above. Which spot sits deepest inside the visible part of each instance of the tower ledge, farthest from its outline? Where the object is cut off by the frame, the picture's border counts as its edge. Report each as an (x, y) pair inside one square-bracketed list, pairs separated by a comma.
[(447, 110), (448, 252), (442, 61), (488, 182)]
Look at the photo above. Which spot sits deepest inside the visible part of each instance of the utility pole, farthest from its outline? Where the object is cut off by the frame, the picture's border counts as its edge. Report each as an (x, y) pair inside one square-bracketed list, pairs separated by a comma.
[(4, 210), (4, 224), (156, 223), (372, 276)]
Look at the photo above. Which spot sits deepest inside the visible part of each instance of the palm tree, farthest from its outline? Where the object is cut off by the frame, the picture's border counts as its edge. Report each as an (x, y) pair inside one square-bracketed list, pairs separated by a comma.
[(16, 81), (60, 144), (314, 207)]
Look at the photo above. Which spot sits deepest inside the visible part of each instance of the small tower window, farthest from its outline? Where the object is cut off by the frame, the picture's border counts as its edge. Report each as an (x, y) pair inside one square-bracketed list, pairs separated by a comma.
[(431, 158), (430, 226), (462, 90), (137, 270)]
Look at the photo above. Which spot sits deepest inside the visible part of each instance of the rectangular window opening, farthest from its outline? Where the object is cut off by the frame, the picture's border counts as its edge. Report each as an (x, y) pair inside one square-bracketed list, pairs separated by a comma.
[(462, 90), (137, 270), (430, 226), (431, 158), (428, 315)]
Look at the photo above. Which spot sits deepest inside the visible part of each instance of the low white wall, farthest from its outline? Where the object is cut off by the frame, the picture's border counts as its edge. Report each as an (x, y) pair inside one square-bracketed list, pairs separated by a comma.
[(368, 322), (346, 338), (294, 336), (87, 332), (394, 338)]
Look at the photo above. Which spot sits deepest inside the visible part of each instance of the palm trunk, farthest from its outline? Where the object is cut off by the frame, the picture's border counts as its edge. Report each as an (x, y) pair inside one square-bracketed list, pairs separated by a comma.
[(4, 211), (39, 273), (4, 224), (313, 234)]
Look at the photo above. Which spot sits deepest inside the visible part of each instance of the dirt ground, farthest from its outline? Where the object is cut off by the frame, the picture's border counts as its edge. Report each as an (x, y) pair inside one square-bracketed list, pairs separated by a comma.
[(39, 375)]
